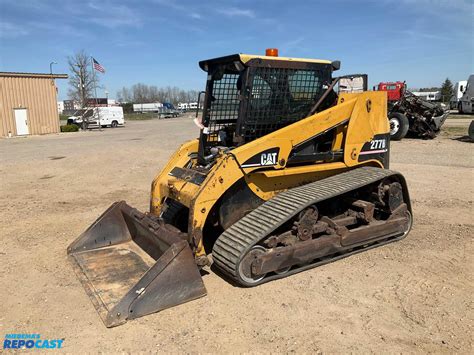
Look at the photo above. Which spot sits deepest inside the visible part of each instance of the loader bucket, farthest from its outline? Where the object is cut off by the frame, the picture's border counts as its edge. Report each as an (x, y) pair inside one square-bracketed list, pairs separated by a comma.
[(130, 265)]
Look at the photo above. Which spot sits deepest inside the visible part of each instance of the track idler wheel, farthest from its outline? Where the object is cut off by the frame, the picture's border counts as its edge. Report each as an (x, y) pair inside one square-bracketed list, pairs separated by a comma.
[(245, 268)]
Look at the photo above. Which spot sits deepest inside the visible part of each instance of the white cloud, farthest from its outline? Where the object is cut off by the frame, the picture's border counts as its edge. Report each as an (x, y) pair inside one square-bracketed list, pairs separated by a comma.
[(112, 16), (452, 10), (420, 35), (11, 30), (187, 10), (461, 5), (234, 11), (64, 29)]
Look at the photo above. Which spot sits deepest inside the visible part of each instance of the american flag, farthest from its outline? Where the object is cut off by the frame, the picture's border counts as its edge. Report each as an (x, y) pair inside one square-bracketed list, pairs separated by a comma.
[(98, 67)]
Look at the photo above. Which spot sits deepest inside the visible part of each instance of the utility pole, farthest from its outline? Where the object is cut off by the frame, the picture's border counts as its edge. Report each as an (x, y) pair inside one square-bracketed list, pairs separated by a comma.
[(51, 71), (81, 85), (95, 93)]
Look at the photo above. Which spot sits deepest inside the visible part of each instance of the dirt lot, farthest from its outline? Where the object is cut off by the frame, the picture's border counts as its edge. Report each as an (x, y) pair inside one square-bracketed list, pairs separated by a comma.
[(411, 296)]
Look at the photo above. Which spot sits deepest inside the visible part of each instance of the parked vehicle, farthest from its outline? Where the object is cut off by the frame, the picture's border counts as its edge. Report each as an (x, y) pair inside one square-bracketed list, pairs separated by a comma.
[(354, 84), (466, 102), (428, 95), (148, 107), (458, 92), (169, 111), (408, 113), (98, 116), (163, 110), (189, 106)]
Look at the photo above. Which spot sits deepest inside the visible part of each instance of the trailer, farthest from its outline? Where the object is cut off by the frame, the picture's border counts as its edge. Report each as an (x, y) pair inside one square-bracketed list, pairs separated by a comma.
[(458, 91), (466, 102), (147, 107)]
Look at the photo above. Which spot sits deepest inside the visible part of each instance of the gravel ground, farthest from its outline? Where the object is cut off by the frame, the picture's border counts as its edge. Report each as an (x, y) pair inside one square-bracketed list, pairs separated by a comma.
[(410, 296)]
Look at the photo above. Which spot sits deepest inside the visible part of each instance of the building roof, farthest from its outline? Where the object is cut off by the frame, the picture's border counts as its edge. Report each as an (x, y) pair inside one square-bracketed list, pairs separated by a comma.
[(34, 75)]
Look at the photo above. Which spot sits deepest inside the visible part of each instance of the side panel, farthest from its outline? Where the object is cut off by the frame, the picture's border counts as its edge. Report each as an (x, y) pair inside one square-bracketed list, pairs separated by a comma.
[(377, 149), (368, 119), (367, 115), (267, 175), (263, 162), (288, 137), (160, 186), (268, 183)]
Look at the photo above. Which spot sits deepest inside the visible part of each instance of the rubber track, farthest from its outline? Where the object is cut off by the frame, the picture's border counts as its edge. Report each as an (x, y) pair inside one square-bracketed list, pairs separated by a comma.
[(235, 242)]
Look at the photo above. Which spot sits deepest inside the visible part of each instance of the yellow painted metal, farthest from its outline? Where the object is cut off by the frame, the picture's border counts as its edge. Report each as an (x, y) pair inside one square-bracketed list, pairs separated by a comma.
[(368, 119), (339, 138), (292, 135), (268, 183), (246, 57), (356, 119), (160, 187)]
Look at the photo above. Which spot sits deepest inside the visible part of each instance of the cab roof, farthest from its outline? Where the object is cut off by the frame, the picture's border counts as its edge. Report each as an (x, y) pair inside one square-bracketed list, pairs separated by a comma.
[(245, 58)]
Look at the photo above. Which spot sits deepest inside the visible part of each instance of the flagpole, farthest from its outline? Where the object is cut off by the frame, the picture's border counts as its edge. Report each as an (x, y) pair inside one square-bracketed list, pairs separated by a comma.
[(95, 92)]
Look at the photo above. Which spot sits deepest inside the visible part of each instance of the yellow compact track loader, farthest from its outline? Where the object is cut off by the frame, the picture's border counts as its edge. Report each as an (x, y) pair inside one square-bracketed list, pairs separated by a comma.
[(290, 171)]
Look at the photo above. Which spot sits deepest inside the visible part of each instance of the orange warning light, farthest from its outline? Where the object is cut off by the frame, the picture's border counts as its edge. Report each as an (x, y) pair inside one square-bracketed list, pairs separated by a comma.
[(271, 52)]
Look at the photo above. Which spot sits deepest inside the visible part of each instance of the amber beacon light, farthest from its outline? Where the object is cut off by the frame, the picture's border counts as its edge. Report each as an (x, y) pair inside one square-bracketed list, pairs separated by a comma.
[(271, 52)]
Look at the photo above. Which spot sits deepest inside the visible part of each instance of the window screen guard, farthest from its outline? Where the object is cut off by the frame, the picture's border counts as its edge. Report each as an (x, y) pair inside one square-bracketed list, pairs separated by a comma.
[(223, 109), (271, 98), (277, 98)]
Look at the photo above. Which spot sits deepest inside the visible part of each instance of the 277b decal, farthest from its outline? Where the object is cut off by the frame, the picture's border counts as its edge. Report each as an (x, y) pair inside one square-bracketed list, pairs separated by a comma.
[(376, 146)]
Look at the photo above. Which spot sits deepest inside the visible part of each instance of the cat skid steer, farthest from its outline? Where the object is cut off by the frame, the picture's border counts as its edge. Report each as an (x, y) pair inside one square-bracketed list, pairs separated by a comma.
[(288, 173)]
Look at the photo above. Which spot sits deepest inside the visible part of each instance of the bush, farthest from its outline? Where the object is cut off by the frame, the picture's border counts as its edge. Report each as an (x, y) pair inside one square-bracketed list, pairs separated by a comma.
[(127, 108), (140, 116), (69, 128)]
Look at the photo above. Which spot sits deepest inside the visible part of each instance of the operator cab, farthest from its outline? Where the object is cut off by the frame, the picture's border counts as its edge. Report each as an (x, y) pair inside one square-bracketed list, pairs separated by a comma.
[(249, 96)]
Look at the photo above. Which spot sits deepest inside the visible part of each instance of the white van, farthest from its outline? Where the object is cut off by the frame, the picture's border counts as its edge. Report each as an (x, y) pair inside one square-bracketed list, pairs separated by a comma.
[(103, 116), (457, 94), (466, 103)]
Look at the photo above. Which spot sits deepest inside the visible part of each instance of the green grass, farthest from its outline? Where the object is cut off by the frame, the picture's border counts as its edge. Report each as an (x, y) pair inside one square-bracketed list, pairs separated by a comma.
[(140, 116), (69, 128), (460, 116), (128, 116), (455, 131)]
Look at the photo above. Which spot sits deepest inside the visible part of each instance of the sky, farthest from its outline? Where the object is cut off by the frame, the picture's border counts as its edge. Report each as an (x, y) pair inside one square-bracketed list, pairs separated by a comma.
[(159, 42)]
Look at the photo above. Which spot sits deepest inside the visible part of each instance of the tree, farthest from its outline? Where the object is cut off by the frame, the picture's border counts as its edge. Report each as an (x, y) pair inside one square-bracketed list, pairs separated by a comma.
[(127, 107), (142, 93), (433, 88), (81, 80), (123, 95), (447, 90)]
